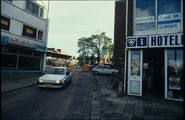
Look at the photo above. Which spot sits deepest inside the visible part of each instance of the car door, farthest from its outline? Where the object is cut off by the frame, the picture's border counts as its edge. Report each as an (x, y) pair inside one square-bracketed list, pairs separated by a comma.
[(106, 69), (99, 69)]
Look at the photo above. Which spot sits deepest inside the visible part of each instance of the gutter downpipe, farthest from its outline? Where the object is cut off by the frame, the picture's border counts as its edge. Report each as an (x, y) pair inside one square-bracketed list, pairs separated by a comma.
[(125, 47), (46, 37)]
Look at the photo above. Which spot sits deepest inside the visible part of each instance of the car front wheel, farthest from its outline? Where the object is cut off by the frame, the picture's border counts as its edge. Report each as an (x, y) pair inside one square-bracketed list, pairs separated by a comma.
[(64, 85), (96, 73)]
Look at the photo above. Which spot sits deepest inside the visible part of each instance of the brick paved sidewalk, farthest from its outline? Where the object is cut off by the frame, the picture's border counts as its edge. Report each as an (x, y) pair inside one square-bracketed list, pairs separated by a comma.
[(110, 106), (13, 82)]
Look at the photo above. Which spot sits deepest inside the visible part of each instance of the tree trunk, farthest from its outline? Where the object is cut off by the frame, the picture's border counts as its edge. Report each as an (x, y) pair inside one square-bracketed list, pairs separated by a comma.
[(98, 56)]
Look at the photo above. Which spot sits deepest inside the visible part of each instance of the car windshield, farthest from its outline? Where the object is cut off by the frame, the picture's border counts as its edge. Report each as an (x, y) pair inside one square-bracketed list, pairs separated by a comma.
[(60, 71)]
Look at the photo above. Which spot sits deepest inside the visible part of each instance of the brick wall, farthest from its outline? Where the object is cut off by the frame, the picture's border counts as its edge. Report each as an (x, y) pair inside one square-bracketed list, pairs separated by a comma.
[(119, 31)]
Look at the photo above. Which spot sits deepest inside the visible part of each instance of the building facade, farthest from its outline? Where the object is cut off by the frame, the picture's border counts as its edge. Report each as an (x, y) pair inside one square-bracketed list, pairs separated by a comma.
[(24, 36), (152, 43)]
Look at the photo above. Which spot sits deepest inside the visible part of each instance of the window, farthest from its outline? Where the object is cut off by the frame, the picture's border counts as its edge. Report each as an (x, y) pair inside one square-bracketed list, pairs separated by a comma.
[(135, 63), (40, 35), (145, 15), (29, 63), (8, 61), (5, 23), (29, 31), (168, 10), (106, 67), (153, 15), (99, 67), (10, 0), (31, 7), (41, 12), (175, 75), (9, 49)]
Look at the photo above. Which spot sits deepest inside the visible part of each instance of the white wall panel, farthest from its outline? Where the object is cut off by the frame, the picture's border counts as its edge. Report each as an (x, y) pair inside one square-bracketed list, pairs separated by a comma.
[(19, 3), (15, 27)]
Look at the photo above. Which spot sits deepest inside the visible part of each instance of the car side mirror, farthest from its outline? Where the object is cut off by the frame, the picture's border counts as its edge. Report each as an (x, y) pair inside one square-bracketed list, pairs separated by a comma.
[(67, 73)]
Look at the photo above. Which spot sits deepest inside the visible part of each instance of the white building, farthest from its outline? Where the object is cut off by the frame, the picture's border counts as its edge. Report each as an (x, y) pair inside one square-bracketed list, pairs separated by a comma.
[(24, 36)]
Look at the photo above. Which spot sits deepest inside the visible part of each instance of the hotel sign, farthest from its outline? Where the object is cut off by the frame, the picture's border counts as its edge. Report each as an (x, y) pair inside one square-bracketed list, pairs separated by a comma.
[(136, 42), (20, 42), (169, 40), (155, 41)]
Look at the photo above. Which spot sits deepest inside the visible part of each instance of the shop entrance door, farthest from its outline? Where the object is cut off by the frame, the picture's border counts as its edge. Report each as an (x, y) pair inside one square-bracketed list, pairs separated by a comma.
[(153, 73)]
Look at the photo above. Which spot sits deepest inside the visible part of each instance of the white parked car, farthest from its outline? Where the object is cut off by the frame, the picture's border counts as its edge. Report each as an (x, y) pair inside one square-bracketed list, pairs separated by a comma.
[(55, 77), (104, 69)]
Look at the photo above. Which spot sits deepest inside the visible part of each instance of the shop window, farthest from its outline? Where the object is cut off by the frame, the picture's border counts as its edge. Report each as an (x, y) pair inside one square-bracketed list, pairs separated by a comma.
[(29, 31), (8, 61), (168, 15), (40, 35), (5, 23), (41, 12), (175, 74), (25, 52), (168, 10), (135, 63), (9, 49), (31, 7), (38, 54), (29, 63), (145, 15)]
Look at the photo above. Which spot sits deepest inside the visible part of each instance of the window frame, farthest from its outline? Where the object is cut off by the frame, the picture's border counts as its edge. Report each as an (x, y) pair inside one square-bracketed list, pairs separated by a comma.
[(156, 31), (39, 10), (9, 20)]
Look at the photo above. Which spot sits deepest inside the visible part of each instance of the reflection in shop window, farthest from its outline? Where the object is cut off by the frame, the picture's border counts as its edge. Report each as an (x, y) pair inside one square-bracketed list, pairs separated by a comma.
[(29, 63), (145, 12), (173, 24), (135, 63), (145, 26), (175, 74), (8, 61), (168, 9)]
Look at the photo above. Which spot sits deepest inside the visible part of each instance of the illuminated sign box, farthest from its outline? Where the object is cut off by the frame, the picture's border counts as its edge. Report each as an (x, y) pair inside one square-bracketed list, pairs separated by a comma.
[(155, 41)]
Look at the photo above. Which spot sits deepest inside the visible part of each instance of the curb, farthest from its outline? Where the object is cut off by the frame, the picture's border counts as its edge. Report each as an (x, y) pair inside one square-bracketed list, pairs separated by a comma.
[(17, 88)]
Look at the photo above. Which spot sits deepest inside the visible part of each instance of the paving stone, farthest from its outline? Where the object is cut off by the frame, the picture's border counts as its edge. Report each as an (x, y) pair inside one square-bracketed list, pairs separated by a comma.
[(116, 115), (106, 115), (177, 108), (149, 117), (116, 100), (95, 117), (170, 117), (95, 106), (179, 115), (158, 117), (95, 112), (119, 111), (108, 111)]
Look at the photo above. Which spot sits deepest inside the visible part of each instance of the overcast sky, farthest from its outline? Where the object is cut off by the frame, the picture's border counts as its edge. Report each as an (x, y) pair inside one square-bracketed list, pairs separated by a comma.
[(71, 20)]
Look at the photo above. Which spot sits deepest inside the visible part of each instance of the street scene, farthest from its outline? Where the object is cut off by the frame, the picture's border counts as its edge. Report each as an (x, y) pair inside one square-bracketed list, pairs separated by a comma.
[(88, 96), (92, 60)]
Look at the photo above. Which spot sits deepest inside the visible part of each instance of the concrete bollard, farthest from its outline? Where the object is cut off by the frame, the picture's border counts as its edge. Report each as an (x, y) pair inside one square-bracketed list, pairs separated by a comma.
[(120, 88)]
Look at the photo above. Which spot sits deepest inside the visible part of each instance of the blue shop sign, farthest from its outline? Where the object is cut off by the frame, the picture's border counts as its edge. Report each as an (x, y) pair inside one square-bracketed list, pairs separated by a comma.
[(168, 16), (136, 42), (145, 19), (169, 26), (40, 47), (4, 39)]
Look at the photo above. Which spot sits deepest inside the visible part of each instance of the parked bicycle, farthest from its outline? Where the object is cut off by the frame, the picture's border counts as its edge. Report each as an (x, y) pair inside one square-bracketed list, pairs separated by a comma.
[(115, 82)]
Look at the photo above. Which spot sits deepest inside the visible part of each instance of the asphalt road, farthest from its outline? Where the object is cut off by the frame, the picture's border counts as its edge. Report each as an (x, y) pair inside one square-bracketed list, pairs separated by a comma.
[(46, 103)]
